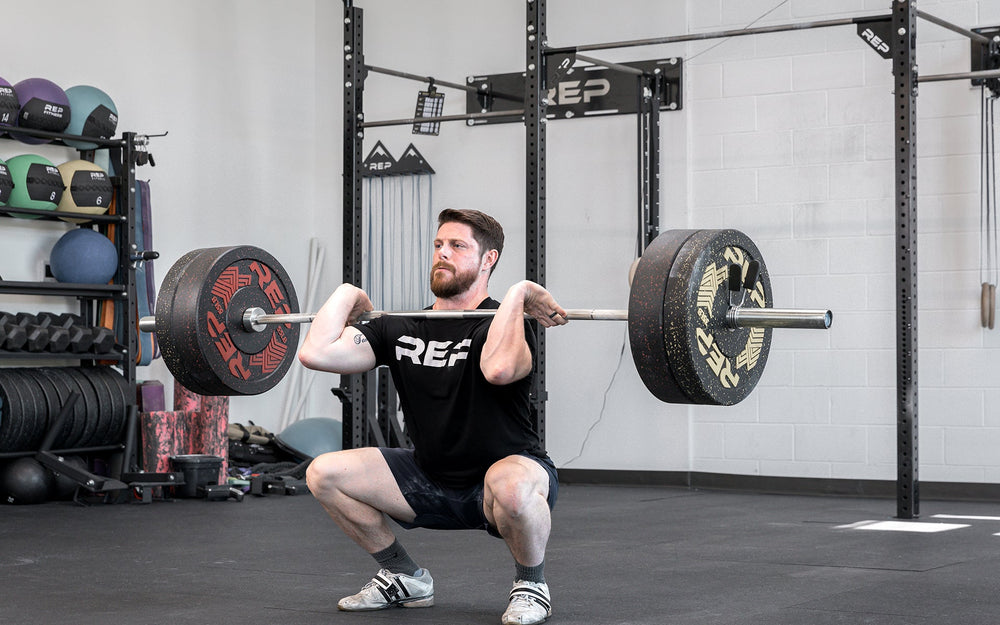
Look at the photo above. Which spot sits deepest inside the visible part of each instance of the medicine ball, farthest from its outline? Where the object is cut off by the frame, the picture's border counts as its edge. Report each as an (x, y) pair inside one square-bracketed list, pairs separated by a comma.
[(37, 183), (88, 189), (25, 481), (83, 256), (93, 115), (44, 106), (6, 183), (9, 104), (307, 438)]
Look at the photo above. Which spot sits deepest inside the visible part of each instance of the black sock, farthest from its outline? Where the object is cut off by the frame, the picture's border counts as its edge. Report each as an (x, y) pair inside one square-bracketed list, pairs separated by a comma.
[(395, 559), (529, 573)]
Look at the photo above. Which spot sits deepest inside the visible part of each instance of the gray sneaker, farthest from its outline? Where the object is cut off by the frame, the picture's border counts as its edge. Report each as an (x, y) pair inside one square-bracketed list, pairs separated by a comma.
[(387, 590), (529, 604)]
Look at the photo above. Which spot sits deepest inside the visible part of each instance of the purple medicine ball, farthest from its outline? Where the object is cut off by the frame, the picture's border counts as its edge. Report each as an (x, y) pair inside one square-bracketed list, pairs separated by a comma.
[(44, 106), (9, 104)]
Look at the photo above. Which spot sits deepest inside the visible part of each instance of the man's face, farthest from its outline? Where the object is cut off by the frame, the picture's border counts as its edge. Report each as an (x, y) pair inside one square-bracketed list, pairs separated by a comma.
[(457, 260)]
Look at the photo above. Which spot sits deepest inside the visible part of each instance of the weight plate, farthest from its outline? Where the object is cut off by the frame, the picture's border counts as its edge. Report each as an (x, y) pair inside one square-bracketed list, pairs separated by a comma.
[(171, 346), (33, 417), (51, 401), (92, 408), (200, 321), (106, 398), (118, 393), (97, 413), (713, 363), (76, 420), (127, 399), (12, 411), (646, 316), (6, 423)]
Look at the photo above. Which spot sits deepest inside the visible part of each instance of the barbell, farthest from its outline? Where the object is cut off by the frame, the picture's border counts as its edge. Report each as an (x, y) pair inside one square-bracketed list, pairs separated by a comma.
[(699, 318)]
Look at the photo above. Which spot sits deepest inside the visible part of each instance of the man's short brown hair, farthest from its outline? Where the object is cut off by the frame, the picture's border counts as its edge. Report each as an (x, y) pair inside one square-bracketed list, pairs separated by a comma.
[(487, 231)]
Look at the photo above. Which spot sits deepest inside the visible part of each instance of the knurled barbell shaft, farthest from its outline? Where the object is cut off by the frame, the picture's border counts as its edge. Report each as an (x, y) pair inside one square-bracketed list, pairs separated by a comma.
[(737, 317)]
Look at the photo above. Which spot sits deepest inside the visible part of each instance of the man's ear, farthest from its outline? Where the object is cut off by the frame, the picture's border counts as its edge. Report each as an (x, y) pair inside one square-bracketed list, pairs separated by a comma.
[(489, 260)]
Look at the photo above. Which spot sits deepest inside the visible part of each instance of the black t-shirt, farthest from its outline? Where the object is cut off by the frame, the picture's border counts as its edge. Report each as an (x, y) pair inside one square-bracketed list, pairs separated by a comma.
[(459, 423)]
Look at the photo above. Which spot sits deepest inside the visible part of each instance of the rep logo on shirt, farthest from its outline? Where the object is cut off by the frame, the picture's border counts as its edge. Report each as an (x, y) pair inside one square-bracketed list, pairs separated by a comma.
[(431, 353)]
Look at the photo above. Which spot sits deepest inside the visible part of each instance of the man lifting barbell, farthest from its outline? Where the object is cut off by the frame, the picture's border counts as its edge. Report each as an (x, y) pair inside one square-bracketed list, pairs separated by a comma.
[(464, 388), (699, 325)]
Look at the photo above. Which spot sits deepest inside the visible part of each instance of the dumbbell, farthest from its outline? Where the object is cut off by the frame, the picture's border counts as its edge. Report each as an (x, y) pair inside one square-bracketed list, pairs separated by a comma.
[(12, 337), (60, 320), (79, 339), (103, 340), (38, 337), (54, 339), (83, 338)]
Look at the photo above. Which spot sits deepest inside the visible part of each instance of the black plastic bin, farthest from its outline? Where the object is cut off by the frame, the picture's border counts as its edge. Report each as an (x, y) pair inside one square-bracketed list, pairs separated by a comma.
[(199, 470)]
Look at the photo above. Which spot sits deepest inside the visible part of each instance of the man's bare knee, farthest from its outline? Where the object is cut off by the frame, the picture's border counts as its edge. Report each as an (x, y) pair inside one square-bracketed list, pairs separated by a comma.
[(513, 488), (324, 473)]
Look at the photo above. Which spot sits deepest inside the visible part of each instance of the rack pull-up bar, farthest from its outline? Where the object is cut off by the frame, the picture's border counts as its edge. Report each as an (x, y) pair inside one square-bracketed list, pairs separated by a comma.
[(625, 69), (720, 34), (419, 78), (953, 27), (443, 83), (439, 118)]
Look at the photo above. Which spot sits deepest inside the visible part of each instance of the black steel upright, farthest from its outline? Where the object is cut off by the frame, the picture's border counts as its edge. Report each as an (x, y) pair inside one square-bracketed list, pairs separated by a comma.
[(128, 320), (904, 70), (534, 126), (650, 96), (352, 387)]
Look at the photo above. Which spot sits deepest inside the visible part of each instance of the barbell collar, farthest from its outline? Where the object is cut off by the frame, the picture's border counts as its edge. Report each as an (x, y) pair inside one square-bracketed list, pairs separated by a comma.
[(147, 324), (739, 317)]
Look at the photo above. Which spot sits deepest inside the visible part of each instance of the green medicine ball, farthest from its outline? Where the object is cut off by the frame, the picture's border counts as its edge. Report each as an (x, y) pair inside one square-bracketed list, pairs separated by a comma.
[(6, 183), (37, 183)]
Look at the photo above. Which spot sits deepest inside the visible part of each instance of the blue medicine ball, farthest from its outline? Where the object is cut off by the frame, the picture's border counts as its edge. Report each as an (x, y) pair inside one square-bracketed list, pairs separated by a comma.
[(84, 256)]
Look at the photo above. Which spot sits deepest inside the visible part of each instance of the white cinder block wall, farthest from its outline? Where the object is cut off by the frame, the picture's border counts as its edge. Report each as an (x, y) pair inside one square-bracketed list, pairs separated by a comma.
[(791, 141)]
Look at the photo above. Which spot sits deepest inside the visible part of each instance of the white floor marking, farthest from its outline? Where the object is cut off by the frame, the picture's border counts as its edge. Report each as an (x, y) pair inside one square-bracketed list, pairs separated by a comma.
[(903, 526), (966, 517)]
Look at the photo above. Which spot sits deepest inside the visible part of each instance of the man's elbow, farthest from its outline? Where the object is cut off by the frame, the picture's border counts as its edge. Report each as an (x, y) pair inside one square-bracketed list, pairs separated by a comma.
[(309, 358), (500, 374)]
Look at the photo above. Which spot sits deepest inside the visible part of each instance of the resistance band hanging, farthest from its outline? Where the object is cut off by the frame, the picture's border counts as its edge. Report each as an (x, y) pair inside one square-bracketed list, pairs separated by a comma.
[(398, 226), (988, 257)]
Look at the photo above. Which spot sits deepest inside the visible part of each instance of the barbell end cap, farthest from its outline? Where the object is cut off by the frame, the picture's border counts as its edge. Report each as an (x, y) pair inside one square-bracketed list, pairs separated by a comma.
[(250, 317), (147, 324)]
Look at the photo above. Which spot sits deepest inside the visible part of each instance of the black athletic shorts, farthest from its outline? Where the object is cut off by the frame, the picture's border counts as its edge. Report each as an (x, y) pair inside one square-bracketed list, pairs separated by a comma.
[(441, 508)]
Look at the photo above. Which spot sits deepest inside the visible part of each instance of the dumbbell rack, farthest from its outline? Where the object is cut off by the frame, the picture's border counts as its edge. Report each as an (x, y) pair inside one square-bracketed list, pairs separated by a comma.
[(121, 290)]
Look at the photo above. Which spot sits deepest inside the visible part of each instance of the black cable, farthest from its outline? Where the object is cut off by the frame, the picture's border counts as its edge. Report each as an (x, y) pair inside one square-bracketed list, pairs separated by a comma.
[(604, 403), (992, 199), (982, 184), (759, 18)]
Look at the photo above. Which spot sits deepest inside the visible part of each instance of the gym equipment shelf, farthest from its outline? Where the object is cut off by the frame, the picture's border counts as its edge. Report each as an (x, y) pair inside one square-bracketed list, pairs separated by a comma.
[(123, 153), (99, 291)]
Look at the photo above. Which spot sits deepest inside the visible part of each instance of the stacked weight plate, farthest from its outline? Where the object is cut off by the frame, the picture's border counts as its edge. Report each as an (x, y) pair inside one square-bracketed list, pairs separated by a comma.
[(31, 398)]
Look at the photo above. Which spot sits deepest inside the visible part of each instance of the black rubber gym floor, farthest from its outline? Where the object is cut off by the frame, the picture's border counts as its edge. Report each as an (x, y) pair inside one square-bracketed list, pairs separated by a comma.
[(637, 555)]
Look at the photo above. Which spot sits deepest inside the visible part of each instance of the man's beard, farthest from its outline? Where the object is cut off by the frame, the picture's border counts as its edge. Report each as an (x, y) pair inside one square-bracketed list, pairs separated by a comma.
[(445, 286)]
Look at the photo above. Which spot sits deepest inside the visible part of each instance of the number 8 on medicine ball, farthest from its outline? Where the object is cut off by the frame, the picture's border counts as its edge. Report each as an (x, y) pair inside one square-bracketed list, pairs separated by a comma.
[(37, 183)]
